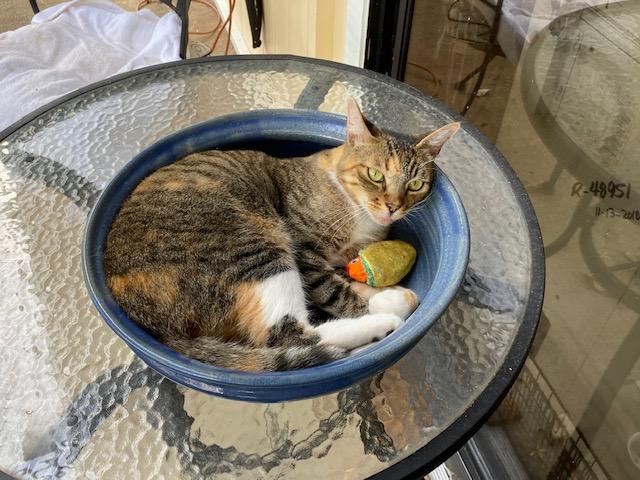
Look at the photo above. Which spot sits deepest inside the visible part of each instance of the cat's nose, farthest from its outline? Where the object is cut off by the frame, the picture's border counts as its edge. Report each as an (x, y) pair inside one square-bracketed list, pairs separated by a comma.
[(392, 207)]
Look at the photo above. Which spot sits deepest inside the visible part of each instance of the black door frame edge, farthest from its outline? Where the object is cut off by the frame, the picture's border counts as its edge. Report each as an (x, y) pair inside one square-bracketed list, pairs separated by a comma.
[(388, 33)]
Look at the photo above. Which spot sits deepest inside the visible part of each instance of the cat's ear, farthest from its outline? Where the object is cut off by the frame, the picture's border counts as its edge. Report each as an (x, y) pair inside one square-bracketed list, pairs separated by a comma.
[(357, 131), (433, 142)]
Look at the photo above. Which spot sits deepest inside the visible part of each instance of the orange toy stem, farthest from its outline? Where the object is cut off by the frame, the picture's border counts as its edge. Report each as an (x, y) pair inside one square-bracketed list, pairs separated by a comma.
[(355, 270)]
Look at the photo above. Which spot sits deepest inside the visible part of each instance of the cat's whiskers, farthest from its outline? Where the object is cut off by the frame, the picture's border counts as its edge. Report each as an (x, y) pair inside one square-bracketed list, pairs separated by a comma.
[(334, 214), (345, 215), (343, 208), (422, 201), (353, 219), (411, 225), (414, 211), (359, 215)]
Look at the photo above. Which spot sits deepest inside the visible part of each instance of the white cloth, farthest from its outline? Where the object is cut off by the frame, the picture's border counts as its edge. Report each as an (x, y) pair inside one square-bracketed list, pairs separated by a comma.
[(74, 44)]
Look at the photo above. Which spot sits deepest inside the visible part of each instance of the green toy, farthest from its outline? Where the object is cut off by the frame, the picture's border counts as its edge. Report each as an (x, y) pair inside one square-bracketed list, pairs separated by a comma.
[(382, 264)]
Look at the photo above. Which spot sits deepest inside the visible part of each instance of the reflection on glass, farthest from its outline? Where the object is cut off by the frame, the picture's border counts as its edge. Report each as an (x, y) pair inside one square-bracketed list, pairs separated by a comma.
[(556, 84)]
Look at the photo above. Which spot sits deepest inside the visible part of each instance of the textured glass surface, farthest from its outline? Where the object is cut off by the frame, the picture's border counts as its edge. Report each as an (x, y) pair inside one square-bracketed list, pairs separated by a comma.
[(75, 400)]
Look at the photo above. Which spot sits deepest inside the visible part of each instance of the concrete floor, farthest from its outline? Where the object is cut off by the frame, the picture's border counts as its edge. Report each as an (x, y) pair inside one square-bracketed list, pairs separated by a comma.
[(15, 14), (579, 350)]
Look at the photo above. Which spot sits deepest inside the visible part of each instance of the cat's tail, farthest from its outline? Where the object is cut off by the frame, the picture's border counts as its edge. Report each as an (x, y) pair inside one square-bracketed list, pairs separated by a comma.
[(245, 358)]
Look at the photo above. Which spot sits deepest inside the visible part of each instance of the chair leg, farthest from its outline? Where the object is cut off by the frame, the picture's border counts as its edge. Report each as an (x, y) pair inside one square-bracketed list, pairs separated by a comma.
[(34, 6), (481, 70), (461, 83), (549, 185), (493, 50), (183, 13), (575, 223)]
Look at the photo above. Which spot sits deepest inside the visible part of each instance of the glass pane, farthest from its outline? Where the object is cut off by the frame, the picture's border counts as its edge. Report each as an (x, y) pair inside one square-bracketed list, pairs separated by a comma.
[(556, 85)]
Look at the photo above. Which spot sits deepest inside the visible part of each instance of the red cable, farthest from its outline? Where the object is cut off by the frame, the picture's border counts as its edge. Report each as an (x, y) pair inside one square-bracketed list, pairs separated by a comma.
[(433, 77), (232, 4), (226, 50), (219, 26)]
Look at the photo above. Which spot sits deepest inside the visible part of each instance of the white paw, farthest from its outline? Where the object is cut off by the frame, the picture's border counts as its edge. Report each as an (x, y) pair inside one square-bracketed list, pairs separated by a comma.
[(379, 325), (352, 333), (397, 300)]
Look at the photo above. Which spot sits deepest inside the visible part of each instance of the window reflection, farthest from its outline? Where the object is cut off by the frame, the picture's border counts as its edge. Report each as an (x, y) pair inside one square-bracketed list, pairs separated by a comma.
[(556, 85)]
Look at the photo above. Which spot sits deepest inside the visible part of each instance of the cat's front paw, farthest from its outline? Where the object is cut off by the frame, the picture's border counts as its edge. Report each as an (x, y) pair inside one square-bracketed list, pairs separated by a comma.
[(377, 326), (352, 333), (381, 325), (396, 300)]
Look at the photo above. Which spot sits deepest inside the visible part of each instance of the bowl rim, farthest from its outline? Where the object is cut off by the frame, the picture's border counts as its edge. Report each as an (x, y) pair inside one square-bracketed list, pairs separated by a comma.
[(365, 363)]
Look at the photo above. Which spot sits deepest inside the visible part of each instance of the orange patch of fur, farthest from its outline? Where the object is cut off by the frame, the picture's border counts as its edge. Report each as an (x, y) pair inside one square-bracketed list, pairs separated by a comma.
[(250, 363), (270, 228), (247, 315), (329, 159), (411, 298), (160, 182), (168, 179), (159, 284), (173, 185), (204, 182), (145, 185)]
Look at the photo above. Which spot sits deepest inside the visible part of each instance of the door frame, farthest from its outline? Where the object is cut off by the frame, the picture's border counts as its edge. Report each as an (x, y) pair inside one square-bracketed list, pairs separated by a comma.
[(388, 33)]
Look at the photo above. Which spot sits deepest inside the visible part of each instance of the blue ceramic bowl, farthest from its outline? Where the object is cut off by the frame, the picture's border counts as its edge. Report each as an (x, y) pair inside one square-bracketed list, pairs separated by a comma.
[(439, 231)]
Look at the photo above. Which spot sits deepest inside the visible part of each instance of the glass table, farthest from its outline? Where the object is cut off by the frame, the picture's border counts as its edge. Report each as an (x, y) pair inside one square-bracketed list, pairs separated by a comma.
[(77, 403)]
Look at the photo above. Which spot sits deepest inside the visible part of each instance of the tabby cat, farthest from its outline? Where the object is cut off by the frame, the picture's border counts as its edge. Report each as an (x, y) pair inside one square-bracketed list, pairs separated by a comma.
[(217, 254)]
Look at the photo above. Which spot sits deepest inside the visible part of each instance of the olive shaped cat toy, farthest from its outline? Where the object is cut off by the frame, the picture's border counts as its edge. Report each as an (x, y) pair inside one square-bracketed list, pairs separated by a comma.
[(382, 264)]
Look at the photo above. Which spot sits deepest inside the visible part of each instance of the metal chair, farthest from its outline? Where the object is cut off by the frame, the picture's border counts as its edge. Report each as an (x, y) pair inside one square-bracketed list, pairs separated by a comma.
[(181, 7), (478, 33)]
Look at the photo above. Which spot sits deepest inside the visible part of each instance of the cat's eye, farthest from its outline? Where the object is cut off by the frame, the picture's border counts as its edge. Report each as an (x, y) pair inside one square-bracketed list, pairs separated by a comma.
[(375, 175), (415, 185)]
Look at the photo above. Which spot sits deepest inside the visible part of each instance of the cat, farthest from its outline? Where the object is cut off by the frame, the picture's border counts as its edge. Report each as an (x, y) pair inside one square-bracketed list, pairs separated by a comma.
[(217, 254)]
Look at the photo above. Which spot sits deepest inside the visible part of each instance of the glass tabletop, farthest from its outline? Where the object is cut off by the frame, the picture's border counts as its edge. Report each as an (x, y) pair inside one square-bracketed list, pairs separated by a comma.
[(76, 402)]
